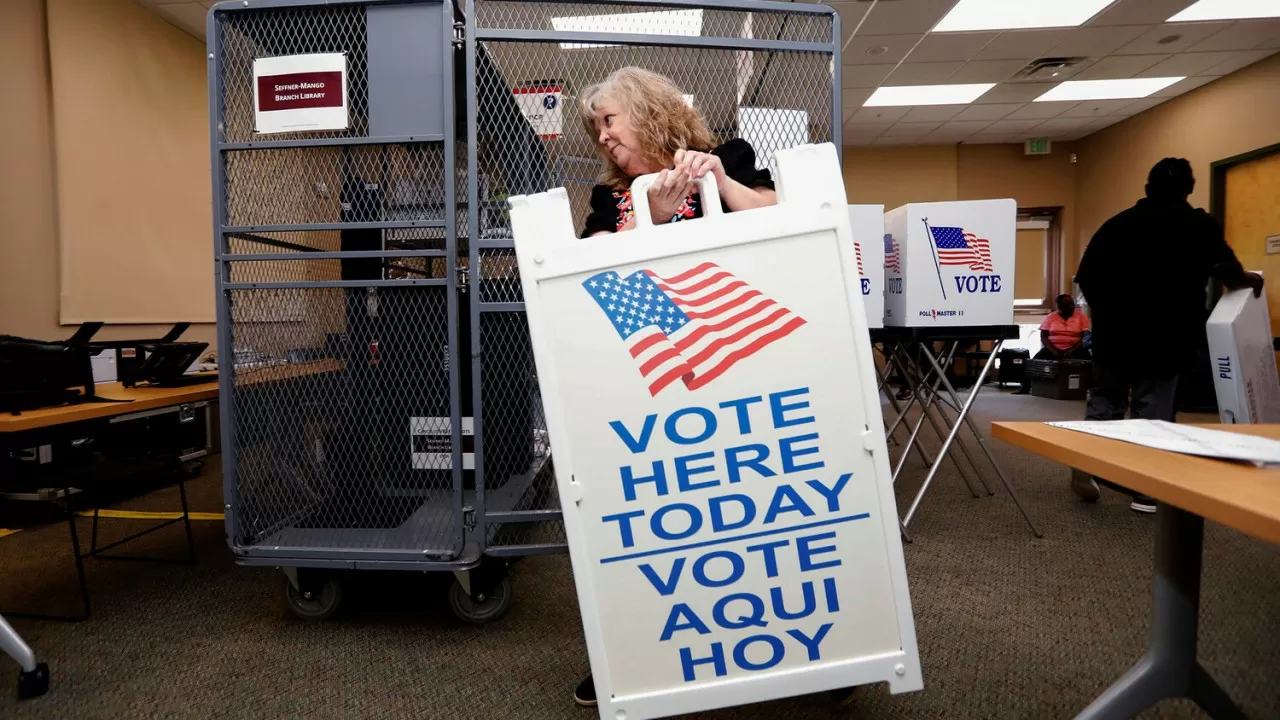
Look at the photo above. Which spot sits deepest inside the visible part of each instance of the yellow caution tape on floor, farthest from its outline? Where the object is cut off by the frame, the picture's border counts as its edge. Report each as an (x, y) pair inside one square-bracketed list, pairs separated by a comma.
[(5, 532), (148, 515)]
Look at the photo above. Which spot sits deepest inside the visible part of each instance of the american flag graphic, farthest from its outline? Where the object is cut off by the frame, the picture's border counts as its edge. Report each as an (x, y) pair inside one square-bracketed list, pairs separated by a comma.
[(857, 251), (692, 326), (892, 262), (957, 247)]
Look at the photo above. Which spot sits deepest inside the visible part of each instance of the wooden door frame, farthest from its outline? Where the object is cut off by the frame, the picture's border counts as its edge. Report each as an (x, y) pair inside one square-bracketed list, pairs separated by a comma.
[(1218, 178)]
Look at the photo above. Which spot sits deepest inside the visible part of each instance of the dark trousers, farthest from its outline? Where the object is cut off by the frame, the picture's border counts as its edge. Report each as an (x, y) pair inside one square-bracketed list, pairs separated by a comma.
[(1144, 398)]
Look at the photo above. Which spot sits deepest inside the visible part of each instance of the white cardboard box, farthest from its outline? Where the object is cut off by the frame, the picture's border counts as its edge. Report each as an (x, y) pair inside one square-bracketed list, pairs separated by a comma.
[(950, 263), (1244, 363), (867, 224)]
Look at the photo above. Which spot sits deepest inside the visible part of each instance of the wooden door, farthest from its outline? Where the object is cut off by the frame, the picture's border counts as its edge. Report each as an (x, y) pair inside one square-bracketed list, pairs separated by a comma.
[(1252, 215)]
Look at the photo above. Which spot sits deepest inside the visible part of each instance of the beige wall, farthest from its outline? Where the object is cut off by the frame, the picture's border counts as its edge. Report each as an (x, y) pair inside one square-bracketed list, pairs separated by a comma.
[(1239, 113), (894, 176), (31, 206)]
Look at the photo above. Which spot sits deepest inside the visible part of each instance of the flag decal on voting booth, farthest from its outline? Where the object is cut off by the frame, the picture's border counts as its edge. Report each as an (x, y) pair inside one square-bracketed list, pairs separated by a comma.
[(719, 450), (692, 326)]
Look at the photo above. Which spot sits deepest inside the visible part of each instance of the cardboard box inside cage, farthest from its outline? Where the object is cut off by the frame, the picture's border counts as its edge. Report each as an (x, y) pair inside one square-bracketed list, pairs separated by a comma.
[(950, 263)]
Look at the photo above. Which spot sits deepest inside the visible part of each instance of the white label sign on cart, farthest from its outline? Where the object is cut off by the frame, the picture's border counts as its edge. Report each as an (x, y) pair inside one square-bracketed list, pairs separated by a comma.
[(297, 93), (541, 105), (720, 455), (950, 263), (867, 224)]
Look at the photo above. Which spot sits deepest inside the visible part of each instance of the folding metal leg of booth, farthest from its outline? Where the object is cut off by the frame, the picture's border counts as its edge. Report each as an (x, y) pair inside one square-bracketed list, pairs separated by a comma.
[(33, 680), (936, 371)]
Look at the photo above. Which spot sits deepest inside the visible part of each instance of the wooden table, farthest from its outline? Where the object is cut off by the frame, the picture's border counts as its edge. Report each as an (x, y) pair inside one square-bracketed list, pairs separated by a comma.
[(141, 398), (1188, 489)]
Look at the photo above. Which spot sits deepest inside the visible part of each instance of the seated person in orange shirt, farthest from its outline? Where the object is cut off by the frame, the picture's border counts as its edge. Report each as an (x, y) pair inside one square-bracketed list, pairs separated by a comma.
[(1062, 336), (1062, 333)]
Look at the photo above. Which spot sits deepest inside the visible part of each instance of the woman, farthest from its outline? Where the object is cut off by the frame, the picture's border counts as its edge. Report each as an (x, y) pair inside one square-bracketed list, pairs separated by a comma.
[(643, 125)]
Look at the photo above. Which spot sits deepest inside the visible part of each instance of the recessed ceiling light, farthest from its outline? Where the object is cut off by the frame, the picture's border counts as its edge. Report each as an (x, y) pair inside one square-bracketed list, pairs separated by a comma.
[(877, 50), (927, 95), (1228, 10), (687, 23), (1106, 89), (1018, 14), (1168, 39)]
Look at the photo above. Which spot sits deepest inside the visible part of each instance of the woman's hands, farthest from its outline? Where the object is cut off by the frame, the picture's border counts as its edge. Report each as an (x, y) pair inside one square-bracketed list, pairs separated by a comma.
[(668, 193), (698, 164)]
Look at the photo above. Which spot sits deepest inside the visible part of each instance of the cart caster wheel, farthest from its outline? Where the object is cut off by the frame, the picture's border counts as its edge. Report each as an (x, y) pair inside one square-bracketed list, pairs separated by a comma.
[(33, 684), (490, 608), (319, 603)]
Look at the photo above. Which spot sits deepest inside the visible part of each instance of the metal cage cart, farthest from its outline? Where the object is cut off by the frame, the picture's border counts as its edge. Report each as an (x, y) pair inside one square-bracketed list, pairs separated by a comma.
[(380, 408)]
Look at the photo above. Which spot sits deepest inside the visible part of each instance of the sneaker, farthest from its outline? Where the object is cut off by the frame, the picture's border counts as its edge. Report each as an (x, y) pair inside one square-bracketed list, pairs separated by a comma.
[(1143, 504), (1085, 486), (585, 695)]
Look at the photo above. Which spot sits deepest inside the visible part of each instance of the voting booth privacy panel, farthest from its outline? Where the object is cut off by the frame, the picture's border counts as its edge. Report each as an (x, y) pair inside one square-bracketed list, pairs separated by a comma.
[(1243, 358), (866, 222), (950, 263), (381, 407), (711, 396)]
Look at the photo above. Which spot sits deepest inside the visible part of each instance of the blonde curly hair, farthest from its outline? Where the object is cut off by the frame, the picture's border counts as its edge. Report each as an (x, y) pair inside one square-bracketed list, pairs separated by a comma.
[(662, 120)]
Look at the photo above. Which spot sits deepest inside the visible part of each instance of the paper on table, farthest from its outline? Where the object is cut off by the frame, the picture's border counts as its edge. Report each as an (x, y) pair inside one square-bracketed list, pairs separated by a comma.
[(1182, 439)]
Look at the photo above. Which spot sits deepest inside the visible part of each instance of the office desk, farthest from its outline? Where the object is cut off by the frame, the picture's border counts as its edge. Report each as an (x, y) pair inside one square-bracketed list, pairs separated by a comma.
[(1189, 489), (47, 426)]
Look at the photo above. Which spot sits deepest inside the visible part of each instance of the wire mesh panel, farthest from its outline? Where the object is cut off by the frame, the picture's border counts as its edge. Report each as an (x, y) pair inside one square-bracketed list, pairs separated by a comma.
[(338, 294), (761, 71)]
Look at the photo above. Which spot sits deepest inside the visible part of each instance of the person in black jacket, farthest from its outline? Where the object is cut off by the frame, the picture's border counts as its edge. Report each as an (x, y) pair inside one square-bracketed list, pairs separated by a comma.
[(1144, 276)]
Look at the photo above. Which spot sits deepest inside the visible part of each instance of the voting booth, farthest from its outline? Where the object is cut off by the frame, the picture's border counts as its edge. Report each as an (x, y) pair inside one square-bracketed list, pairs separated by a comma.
[(720, 453), (1243, 359), (866, 222), (950, 264)]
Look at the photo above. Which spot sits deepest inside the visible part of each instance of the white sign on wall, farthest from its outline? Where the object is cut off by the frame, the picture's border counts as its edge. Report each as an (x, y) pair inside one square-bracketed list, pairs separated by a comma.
[(540, 104), (711, 400), (867, 224), (296, 93), (950, 263)]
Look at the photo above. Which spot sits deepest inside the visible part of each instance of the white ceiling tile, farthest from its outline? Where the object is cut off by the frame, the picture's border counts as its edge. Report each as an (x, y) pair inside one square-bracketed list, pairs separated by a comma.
[(850, 13), (864, 76), (1242, 35), (1041, 110), (854, 98), (933, 113), (961, 128), (1187, 63), (1107, 122), (910, 73), (1140, 12), (1020, 44), (1187, 85), (913, 16), (1059, 125), (861, 49), (1187, 34), (1239, 61), (1096, 41), (994, 111), (1118, 67), (1013, 126), (904, 129), (1144, 104), (983, 71), (1014, 93), (949, 47), (1096, 108), (879, 115), (862, 134)]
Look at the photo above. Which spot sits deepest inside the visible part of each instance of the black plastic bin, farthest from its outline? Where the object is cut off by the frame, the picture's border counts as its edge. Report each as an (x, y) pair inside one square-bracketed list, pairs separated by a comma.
[(1060, 379), (1013, 366)]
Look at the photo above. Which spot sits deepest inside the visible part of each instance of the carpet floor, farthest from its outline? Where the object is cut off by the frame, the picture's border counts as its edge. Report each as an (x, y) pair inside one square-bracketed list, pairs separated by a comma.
[(1009, 626)]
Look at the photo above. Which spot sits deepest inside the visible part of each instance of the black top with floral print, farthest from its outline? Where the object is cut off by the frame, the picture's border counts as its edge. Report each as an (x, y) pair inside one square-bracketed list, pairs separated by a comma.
[(610, 208)]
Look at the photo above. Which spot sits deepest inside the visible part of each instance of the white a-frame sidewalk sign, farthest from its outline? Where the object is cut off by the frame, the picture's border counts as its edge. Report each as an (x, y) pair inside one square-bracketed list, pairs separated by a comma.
[(719, 449)]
